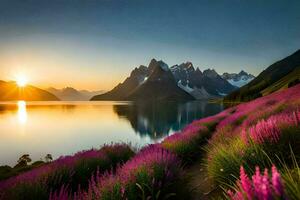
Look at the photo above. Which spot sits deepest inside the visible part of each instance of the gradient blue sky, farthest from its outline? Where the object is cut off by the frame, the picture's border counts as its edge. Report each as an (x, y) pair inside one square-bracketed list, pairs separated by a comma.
[(95, 44)]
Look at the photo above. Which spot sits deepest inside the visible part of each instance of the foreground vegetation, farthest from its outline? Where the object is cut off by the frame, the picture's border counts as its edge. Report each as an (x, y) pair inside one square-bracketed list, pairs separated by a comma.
[(251, 152)]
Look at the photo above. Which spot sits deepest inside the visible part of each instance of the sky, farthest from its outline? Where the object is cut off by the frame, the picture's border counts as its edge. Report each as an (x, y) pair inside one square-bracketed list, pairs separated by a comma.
[(94, 44)]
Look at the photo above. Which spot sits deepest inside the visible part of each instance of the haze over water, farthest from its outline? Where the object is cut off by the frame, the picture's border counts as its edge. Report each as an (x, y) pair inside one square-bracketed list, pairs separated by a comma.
[(63, 128)]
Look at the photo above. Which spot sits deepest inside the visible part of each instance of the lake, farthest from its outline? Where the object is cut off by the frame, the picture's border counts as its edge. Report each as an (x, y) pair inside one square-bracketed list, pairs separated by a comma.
[(63, 128)]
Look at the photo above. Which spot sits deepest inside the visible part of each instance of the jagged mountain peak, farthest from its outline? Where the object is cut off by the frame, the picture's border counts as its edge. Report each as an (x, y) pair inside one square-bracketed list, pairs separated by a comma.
[(163, 65), (154, 63), (140, 71), (142, 67), (161, 72), (153, 60), (187, 65), (200, 84), (210, 73), (242, 72), (198, 73)]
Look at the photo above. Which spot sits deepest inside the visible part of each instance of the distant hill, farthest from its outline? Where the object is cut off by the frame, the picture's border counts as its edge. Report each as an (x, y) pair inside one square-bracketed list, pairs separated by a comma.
[(10, 91), (279, 75), (158, 81), (71, 94)]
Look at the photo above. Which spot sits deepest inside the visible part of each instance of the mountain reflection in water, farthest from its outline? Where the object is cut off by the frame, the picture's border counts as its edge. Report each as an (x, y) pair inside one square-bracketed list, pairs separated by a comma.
[(158, 120)]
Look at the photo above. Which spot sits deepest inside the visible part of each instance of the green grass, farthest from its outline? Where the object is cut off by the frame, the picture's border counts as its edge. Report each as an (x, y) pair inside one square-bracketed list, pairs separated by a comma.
[(283, 83), (226, 158)]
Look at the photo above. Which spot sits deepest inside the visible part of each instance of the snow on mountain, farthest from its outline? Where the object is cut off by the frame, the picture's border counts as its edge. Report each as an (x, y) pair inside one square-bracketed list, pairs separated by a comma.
[(204, 85), (239, 79), (186, 87), (239, 83)]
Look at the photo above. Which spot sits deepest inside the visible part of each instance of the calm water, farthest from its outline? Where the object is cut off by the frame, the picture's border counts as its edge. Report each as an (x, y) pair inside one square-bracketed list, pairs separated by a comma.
[(62, 128)]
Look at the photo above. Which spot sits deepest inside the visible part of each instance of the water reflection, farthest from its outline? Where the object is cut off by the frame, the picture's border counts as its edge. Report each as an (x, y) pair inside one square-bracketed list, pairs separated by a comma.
[(157, 120), (22, 112), (63, 128)]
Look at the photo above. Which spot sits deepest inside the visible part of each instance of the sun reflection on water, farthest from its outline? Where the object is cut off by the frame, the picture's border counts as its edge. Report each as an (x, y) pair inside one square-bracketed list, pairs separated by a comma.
[(22, 112)]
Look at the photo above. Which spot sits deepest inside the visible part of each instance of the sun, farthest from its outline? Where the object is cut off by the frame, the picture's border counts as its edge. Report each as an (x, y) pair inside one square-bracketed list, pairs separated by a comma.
[(21, 80)]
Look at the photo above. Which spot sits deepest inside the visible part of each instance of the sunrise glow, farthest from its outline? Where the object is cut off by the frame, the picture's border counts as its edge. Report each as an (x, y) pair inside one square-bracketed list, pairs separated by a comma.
[(21, 80)]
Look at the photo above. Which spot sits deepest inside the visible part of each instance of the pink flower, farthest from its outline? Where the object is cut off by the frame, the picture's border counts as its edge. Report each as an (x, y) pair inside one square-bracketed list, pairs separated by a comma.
[(276, 181), (270, 130), (262, 187), (246, 184)]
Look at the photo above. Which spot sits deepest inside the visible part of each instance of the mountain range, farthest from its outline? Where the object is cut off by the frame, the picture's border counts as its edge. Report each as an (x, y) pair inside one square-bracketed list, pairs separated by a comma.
[(158, 81), (280, 75), (71, 94), (201, 85), (155, 82), (10, 91)]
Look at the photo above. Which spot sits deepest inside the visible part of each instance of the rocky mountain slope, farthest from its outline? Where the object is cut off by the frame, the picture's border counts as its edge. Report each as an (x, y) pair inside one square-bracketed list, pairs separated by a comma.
[(201, 85)]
